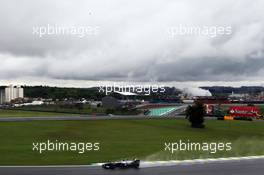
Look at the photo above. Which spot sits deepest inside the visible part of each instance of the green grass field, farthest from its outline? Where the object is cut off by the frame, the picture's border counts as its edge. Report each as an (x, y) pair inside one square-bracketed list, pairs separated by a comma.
[(121, 139), (19, 113), (261, 108)]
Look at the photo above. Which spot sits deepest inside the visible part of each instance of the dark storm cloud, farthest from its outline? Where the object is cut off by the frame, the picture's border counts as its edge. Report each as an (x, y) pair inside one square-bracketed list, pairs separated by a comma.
[(133, 42), (210, 69)]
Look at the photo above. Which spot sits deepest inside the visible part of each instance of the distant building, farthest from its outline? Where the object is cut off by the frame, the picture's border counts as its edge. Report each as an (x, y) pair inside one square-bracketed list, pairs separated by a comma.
[(2, 96), (212, 100), (33, 103), (233, 95), (9, 93), (95, 104)]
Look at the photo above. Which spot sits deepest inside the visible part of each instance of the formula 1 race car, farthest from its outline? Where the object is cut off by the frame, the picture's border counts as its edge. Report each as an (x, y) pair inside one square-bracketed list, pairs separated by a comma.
[(122, 164)]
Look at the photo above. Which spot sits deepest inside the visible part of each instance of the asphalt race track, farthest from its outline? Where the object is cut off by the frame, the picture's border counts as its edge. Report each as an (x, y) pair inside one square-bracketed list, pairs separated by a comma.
[(242, 167)]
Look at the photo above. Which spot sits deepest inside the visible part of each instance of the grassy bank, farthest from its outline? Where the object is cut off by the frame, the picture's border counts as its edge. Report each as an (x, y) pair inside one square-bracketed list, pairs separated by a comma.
[(20, 113), (121, 139), (85, 109)]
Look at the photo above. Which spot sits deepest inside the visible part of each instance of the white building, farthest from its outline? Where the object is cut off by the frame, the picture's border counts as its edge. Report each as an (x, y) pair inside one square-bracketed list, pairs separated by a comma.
[(2, 96), (10, 93)]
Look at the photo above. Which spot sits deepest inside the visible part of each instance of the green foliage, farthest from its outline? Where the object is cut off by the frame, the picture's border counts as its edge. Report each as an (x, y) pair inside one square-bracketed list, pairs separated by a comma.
[(62, 93), (195, 114), (88, 93)]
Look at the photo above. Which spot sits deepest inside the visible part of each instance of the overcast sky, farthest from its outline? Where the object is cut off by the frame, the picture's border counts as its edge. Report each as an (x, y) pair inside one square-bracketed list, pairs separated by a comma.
[(133, 42)]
